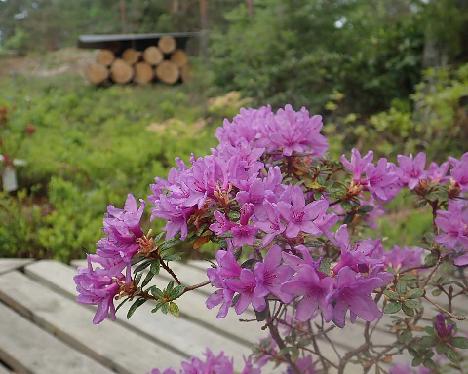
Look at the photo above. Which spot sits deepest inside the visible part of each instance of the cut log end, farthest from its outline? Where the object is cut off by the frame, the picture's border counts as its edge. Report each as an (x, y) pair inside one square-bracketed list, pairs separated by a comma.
[(167, 44), (143, 73), (121, 71), (96, 73), (152, 55), (131, 56), (167, 72), (185, 73), (179, 58), (105, 57)]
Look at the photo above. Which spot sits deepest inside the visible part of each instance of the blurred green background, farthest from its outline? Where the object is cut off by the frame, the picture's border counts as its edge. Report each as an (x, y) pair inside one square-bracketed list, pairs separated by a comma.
[(391, 76)]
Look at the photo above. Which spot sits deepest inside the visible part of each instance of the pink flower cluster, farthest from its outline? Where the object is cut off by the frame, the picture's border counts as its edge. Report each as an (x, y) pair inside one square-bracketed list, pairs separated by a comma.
[(102, 280), (212, 364)]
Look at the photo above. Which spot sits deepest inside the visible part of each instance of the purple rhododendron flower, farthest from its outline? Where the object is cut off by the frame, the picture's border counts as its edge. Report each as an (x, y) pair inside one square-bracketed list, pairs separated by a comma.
[(453, 226), (270, 274), (305, 364), (122, 229), (228, 268), (222, 224), (436, 173), (459, 171), (358, 164), (353, 293), (403, 258), (293, 131), (315, 292), (243, 232), (272, 224), (406, 369), (411, 170), (298, 215), (445, 330), (97, 287), (246, 287), (213, 364), (382, 180)]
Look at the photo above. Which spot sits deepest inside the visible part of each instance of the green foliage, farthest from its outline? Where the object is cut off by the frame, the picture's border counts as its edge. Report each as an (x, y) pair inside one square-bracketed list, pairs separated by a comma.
[(91, 147), (303, 51)]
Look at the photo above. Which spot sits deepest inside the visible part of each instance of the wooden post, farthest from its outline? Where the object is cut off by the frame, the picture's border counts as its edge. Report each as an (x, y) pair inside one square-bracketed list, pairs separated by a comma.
[(204, 27), (250, 7)]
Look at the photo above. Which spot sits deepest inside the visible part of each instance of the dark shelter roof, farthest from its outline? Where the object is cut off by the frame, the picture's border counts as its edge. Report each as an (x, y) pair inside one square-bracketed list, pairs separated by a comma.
[(119, 42)]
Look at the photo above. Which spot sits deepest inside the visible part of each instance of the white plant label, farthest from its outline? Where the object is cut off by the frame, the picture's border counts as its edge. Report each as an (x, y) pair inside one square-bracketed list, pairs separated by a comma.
[(10, 181)]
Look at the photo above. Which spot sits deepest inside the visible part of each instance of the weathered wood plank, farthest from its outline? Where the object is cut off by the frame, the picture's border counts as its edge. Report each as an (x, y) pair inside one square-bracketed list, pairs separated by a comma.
[(108, 342), (10, 264), (182, 335), (4, 370), (27, 348), (192, 306)]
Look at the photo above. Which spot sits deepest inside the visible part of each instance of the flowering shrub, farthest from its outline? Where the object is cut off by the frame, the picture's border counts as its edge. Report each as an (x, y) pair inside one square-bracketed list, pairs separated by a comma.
[(288, 224)]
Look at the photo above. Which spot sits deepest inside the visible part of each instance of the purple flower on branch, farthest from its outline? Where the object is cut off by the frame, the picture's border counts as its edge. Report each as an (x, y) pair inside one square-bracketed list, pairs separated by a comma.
[(315, 292), (411, 170), (271, 274), (358, 164), (353, 293), (299, 216), (243, 232), (97, 287)]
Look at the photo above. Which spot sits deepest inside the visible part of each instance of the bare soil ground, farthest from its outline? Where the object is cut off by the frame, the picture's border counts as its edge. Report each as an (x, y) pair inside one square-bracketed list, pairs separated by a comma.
[(64, 61)]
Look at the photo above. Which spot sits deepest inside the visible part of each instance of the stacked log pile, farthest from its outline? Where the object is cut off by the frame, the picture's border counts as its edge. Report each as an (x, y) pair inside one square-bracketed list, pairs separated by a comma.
[(158, 63)]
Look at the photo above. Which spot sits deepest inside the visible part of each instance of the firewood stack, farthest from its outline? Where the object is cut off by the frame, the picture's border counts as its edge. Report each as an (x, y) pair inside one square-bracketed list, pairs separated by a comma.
[(162, 63)]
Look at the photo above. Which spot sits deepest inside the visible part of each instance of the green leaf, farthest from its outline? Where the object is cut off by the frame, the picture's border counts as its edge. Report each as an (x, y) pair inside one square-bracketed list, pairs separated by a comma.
[(158, 237), (137, 278), (157, 306), (174, 309), (170, 286), (177, 291), (147, 279), (452, 356), (155, 266), (416, 361), (156, 292), (430, 259), (248, 264), (415, 293), (436, 292), (429, 330), (426, 341), (412, 304), (165, 308), (172, 257), (429, 363), (142, 266), (135, 306), (401, 287), (408, 311), (392, 295), (325, 265), (392, 308), (405, 337), (460, 342)]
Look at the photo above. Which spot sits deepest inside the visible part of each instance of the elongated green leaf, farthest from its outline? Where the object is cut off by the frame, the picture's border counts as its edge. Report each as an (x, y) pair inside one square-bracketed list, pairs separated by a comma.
[(142, 266), (174, 309), (154, 268), (392, 308), (147, 279), (460, 342), (135, 306)]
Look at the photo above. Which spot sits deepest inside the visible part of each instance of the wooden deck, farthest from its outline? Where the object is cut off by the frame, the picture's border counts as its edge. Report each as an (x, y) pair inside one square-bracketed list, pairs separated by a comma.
[(43, 329)]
